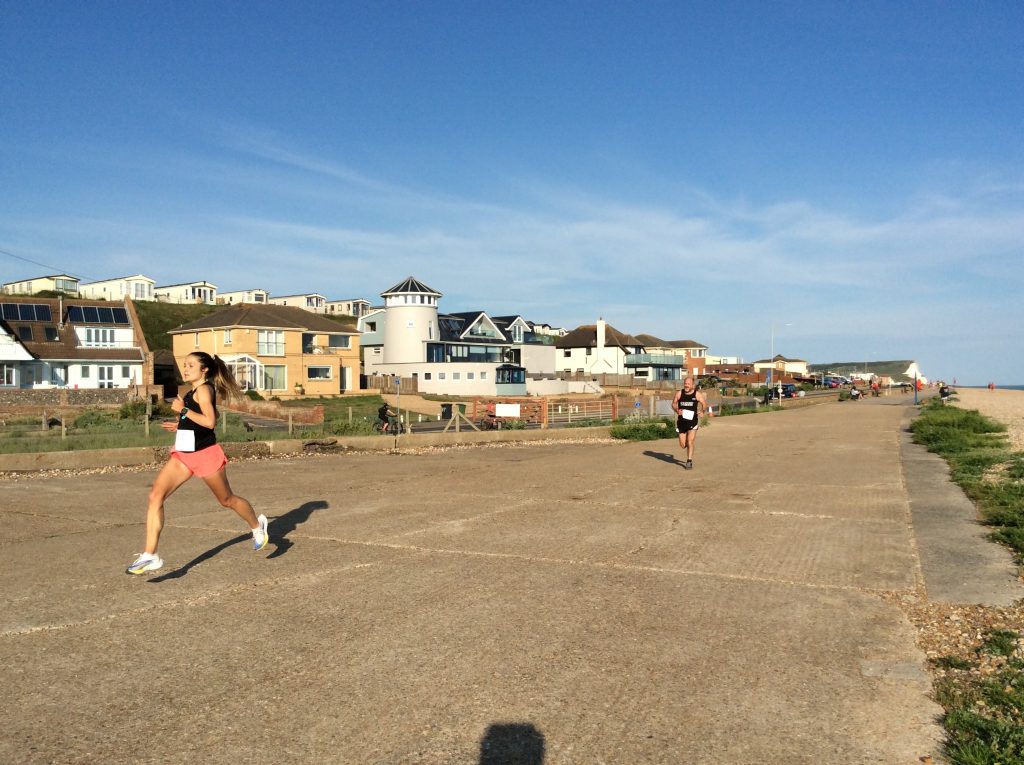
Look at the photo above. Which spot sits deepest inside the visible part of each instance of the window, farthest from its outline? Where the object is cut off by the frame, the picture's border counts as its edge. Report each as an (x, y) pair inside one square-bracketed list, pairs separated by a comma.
[(227, 337), (469, 375), (195, 339), (106, 377), (274, 377), (51, 334), (7, 377), (371, 326), (440, 375), (426, 375), (483, 375), (339, 341), (25, 334), (86, 371), (270, 342), (567, 353), (318, 373), (126, 372), (430, 330), (590, 351), (456, 375), (376, 351)]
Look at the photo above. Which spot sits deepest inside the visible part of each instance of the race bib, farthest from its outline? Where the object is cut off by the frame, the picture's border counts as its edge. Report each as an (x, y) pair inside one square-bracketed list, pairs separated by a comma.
[(185, 441), (688, 414)]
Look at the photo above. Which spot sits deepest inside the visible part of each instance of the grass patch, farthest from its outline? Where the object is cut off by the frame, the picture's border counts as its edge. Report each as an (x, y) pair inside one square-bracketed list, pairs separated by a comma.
[(984, 717), (643, 430)]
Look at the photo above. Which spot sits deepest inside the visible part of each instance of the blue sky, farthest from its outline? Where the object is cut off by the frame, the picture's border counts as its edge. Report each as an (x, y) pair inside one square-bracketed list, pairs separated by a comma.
[(849, 173)]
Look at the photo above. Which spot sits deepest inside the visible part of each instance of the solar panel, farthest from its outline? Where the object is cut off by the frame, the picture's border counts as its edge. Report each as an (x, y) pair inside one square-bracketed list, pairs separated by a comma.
[(75, 314), (106, 315), (25, 312), (90, 314), (120, 316)]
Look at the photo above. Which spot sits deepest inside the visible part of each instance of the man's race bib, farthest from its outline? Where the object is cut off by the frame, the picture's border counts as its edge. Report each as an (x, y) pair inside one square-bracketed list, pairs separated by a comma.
[(185, 441), (688, 414)]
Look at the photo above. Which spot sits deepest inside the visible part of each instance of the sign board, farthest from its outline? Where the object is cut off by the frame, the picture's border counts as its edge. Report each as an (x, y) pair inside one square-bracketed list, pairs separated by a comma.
[(506, 410), (637, 405)]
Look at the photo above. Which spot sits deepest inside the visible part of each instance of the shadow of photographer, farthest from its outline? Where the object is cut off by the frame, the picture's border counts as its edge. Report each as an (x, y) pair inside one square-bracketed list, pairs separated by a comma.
[(278, 530), (512, 744)]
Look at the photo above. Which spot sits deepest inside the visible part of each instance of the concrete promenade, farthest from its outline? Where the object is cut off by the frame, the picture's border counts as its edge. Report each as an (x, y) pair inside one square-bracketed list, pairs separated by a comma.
[(546, 603)]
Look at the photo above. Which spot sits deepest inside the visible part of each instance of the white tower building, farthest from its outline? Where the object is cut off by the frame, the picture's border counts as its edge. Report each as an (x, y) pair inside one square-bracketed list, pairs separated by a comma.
[(411, 321)]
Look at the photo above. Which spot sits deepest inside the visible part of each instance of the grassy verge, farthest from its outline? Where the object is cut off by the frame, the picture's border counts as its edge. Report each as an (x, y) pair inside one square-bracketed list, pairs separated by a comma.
[(983, 693)]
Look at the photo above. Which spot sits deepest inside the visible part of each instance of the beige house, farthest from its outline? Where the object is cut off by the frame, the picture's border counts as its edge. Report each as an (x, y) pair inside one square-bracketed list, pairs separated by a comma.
[(55, 283), (277, 350), (781, 364), (243, 296), (312, 301), (349, 307)]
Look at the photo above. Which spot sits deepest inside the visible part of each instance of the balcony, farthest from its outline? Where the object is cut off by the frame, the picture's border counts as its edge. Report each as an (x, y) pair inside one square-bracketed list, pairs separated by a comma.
[(654, 360)]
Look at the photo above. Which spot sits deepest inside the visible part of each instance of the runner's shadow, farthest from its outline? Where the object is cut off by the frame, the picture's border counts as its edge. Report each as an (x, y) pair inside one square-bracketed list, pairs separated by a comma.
[(669, 458), (278, 529), (512, 744), (282, 526)]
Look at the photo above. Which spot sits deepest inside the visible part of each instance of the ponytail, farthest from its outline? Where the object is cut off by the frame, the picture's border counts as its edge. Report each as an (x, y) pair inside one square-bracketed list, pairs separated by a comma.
[(218, 375)]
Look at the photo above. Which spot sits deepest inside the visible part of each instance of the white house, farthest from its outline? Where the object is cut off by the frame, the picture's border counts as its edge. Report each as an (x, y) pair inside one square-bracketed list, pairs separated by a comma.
[(137, 287), (257, 297), (594, 349), (314, 302), (781, 364), (468, 353), (189, 292), (72, 343)]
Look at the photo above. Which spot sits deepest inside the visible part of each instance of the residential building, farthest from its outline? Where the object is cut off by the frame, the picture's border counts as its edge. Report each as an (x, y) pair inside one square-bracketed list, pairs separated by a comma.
[(468, 353), (71, 343), (259, 297), (277, 350), (349, 307), (779, 366), (313, 302), (54, 283), (599, 348), (189, 292), (137, 287)]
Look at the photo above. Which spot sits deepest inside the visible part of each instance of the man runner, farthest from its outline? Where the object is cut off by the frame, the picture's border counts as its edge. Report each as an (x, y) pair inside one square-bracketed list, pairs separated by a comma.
[(689, 404)]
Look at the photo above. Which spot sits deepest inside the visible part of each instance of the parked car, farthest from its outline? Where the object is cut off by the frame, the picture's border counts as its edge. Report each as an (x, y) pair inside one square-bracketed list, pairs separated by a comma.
[(789, 390)]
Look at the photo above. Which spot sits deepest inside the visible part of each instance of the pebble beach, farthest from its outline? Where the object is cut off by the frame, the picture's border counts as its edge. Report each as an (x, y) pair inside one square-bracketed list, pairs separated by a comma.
[(1005, 406)]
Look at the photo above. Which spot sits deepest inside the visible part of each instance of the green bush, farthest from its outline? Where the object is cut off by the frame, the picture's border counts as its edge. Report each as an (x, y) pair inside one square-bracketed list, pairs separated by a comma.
[(132, 410), (92, 418), (254, 395), (513, 425), (644, 430)]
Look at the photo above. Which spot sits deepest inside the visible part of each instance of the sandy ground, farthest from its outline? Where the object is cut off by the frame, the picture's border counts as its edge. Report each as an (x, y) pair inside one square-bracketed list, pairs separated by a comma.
[(1006, 406)]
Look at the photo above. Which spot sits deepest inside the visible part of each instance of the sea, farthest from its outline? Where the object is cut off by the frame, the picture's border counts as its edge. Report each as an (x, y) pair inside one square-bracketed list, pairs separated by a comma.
[(998, 387)]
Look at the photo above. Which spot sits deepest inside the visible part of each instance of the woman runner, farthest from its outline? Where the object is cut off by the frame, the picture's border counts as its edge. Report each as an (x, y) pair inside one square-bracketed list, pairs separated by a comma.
[(196, 452)]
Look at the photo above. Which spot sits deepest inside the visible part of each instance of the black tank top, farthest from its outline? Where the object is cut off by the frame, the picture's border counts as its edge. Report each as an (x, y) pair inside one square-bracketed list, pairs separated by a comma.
[(205, 437), (688, 400)]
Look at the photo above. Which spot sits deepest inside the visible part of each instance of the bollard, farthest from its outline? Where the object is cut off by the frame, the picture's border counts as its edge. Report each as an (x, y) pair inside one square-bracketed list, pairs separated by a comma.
[(291, 424), (350, 415)]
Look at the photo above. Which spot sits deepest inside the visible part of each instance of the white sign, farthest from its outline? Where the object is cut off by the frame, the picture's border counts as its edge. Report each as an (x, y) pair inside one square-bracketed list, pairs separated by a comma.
[(506, 410)]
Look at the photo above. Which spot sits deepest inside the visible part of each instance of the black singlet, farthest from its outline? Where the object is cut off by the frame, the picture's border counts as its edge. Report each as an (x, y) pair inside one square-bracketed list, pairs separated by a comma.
[(205, 437), (688, 401)]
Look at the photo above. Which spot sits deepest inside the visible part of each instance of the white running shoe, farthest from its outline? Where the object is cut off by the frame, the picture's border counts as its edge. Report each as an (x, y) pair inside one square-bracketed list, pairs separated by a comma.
[(145, 562), (260, 535)]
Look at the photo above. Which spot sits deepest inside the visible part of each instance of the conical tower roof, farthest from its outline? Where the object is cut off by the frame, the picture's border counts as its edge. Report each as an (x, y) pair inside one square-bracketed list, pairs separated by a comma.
[(410, 286)]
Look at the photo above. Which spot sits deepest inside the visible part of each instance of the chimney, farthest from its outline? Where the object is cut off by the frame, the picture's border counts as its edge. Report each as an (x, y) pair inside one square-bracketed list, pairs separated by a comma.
[(600, 334)]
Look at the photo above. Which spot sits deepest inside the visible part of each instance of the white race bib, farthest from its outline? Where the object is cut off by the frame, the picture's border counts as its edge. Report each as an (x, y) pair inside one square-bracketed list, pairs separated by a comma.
[(688, 414), (185, 440)]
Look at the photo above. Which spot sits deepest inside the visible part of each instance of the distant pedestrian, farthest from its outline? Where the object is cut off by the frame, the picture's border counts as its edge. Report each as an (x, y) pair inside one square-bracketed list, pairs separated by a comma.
[(689, 404), (943, 392), (991, 386), (196, 452)]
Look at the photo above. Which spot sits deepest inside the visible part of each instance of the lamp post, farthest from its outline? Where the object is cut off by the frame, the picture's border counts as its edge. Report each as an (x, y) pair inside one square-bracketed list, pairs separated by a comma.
[(771, 359)]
